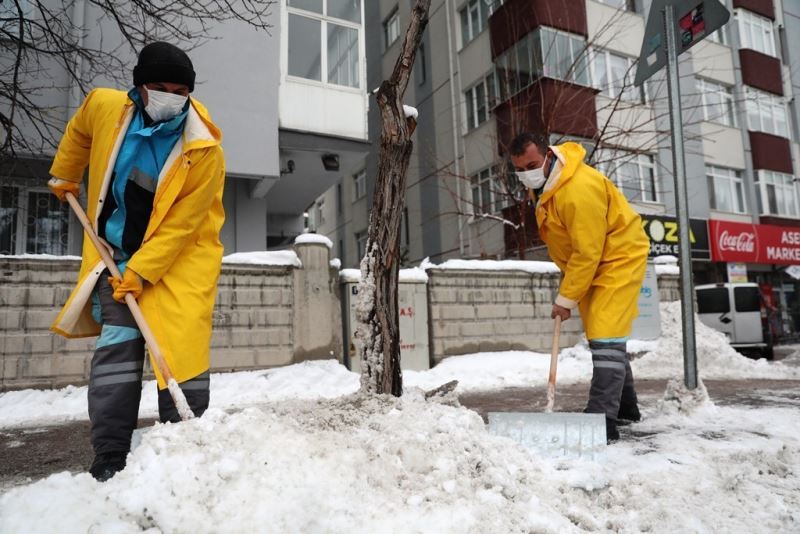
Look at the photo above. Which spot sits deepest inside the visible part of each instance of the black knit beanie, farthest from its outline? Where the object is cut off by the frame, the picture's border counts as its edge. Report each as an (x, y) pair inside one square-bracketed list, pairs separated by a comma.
[(163, 62)]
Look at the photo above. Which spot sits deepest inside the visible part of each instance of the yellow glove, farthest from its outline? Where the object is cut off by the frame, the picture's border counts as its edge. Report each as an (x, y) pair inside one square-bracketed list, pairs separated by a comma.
[(130, 283), (60, 188)]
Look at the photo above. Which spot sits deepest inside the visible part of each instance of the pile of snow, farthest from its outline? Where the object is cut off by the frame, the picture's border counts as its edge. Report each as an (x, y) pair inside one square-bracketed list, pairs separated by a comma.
[(666, 264), (715, 357), (318, 239), (307, 380), (380, 464), (533, 267), (264, 257)]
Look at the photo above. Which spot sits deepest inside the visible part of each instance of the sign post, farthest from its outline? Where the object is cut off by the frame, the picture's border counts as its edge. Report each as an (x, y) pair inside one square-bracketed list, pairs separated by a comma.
[(696, 19)]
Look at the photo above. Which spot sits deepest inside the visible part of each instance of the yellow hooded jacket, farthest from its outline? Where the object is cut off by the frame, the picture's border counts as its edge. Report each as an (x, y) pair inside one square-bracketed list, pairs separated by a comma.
[(181, 253), (597, 240)]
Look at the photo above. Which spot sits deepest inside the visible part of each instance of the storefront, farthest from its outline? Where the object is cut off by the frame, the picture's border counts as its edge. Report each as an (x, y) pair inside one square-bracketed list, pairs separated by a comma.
[(763, 254), (663, 234)]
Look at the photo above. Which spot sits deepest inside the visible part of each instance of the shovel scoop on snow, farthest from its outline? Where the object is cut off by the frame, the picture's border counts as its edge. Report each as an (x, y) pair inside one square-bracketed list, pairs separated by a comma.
[(567, 435)]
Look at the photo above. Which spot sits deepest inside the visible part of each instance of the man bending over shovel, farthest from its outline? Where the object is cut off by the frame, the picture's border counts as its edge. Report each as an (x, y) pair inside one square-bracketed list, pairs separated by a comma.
[(154, 197), (597, 241)]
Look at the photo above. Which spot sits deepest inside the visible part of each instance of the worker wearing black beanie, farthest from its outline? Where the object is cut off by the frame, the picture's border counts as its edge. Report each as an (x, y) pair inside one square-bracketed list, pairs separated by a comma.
[(156, 173), (163, 62)]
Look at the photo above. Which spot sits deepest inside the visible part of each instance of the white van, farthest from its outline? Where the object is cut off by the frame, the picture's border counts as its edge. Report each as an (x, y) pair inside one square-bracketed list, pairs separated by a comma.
[(735, 310)]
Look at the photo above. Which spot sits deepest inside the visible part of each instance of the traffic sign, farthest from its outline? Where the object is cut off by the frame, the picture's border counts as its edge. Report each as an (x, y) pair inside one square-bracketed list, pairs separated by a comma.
[(694, 21)]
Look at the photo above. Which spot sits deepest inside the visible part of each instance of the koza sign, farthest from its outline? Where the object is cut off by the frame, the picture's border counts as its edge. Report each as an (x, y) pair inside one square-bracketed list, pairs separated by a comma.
[(754, 243)]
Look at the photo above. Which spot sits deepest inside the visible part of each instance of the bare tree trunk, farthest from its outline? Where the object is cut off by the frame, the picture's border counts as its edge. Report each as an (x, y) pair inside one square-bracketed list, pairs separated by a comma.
[(377, 310)]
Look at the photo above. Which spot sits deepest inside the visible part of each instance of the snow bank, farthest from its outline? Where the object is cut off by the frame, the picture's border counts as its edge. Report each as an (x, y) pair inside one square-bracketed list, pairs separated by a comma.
[(381, 464), (313, 238), (715, 357), (264, 257), (307, 380)]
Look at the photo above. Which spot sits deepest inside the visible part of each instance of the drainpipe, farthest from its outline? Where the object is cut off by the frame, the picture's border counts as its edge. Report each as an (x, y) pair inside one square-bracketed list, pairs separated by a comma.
[(74, 98), (456, 107)]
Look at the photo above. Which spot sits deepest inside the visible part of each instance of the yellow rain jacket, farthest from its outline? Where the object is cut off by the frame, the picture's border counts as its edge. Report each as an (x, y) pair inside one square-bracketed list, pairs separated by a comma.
[(597, 241), (181, 254)]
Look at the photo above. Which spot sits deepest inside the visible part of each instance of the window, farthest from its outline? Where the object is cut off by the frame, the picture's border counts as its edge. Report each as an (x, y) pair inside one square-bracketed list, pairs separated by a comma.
[(359, 185), (755, 32), (9, 208), (725, 189), (480, 99), (324, 41), (361, 244), (717, 102), (32, 222), (777, 194), (489, 192), (613, 74), (713, 300), (562, 55), (543, 52), (719, 37), (391, 28), (747, 299), (634, 174), (475, 17), (766, 113)]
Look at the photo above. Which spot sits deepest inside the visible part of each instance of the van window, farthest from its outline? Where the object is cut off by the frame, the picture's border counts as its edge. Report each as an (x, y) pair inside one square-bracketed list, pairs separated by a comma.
[(713, 300), (747, 299)]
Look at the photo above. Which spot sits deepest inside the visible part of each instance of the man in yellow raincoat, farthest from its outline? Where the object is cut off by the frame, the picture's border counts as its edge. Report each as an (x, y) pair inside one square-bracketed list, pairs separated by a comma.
[(154, 196), (598, 242)]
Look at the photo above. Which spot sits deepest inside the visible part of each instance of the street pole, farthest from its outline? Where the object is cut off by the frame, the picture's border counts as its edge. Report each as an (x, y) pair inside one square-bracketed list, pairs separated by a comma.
[(681, 201)]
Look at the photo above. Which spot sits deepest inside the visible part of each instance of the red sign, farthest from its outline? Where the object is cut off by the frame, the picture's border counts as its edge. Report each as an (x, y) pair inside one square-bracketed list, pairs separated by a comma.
[(754, 243)]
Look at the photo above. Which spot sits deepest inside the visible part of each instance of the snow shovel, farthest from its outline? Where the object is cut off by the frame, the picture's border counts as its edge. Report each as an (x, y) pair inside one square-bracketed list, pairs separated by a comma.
[(174, 389), (566, 435)]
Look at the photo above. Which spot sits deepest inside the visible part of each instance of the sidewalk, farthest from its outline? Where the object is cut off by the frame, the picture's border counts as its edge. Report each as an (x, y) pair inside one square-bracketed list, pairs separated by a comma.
[(33, 453)]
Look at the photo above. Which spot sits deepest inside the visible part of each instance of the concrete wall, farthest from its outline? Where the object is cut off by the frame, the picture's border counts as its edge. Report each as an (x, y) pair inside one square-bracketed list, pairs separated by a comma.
[(258, 318), (267, 316), (474, 311)]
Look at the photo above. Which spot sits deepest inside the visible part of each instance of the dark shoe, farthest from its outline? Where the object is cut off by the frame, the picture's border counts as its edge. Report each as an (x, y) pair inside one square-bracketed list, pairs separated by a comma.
[(612, 434), (628, 413), (107, 465)]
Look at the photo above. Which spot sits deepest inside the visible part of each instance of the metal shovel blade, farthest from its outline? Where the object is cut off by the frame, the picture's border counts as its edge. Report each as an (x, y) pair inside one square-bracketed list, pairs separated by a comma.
[(555, 435)]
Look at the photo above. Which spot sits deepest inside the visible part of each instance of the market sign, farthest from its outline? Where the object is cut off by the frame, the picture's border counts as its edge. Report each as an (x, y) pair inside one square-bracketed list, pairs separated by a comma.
[(754, 243), (663, 234)]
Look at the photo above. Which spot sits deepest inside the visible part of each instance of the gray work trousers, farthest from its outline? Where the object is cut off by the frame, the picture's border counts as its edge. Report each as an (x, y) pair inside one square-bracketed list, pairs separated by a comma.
[(612, 379), (115, 383)]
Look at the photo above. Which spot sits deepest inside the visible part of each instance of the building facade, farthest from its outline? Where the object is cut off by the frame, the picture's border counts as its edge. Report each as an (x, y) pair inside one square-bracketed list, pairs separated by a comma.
[(291, 104), (488, 70)]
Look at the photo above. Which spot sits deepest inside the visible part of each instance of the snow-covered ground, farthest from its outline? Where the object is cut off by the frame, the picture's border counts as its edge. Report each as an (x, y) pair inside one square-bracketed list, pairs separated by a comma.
[(296, 449)]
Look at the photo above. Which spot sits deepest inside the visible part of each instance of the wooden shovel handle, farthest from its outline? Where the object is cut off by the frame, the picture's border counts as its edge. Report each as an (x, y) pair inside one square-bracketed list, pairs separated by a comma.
[(551, 379), (136, 311)]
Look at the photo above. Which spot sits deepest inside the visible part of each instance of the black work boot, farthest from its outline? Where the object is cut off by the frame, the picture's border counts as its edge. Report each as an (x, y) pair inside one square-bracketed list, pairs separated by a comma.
[(628, 413), (612, 434), (107, 465)]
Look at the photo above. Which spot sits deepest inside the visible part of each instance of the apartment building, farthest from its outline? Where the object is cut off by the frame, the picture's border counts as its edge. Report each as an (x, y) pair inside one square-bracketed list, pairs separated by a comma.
[(291, 104), (489, 69)]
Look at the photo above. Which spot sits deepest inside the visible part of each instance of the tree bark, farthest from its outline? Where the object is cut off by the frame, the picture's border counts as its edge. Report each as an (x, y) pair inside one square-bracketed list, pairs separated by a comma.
[(378, 332)]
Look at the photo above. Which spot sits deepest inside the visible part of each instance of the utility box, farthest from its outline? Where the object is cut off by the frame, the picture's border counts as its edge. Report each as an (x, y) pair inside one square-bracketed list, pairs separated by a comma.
[(413, 304), (648, 323)]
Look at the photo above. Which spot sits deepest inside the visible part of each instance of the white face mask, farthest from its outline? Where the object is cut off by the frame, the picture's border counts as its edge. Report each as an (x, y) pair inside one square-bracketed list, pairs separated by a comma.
[(532, 179), (162, 106)]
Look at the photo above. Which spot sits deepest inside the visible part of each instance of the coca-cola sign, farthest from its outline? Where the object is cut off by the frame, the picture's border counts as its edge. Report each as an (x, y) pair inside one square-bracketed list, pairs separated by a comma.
[(754, 243), (741, 242)]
